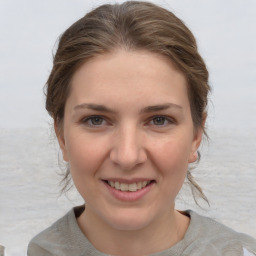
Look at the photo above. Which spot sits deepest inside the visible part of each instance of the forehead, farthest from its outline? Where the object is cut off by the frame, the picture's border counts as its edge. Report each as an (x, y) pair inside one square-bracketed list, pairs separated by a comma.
[(133, 62), (130, 76)]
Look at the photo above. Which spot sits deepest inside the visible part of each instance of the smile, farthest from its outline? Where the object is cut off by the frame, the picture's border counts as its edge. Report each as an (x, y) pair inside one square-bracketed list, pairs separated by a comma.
[(133, 187), (129, 190)]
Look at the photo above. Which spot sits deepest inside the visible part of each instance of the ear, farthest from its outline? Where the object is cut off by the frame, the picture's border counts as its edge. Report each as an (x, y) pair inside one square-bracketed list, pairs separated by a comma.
[(197, 140), (60, 136)]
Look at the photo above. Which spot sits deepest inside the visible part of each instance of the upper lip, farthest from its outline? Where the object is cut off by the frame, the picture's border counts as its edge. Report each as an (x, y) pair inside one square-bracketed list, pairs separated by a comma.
[(128, 181)]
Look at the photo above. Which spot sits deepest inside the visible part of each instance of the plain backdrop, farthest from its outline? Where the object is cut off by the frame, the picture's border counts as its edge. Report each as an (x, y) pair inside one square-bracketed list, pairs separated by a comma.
[(226, 35)]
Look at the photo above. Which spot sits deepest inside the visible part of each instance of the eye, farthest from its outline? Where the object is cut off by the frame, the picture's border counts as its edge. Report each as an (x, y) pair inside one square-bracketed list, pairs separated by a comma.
[(94, 121), (161, 121)]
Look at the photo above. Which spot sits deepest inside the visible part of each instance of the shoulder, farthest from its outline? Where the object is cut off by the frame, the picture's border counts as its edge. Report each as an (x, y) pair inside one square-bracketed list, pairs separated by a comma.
[(62, 238), (211, 233)]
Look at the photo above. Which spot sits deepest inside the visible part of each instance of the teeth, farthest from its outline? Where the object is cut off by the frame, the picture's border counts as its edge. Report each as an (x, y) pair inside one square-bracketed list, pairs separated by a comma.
[(128, 187), (133, 187), (124, 187), (117, 185)]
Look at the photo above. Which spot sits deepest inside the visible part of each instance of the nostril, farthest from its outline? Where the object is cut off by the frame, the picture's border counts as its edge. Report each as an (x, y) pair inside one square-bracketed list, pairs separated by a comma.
[(127, 157)]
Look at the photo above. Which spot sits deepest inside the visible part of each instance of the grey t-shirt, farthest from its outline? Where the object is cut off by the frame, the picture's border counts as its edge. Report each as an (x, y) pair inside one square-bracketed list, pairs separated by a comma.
[(204, 236)]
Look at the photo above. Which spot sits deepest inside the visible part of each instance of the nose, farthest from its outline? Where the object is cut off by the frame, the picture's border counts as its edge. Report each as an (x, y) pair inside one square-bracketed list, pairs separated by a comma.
[(127, 148)]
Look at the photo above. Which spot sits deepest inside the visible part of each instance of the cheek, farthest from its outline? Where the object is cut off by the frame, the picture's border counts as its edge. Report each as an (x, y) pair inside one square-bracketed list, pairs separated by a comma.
[(171, 160), (85, 156), (171, 156), (85, 159)]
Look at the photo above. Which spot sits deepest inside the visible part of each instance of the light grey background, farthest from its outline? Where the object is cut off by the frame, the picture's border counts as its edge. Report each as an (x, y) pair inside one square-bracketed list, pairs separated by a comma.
[(226, 36)]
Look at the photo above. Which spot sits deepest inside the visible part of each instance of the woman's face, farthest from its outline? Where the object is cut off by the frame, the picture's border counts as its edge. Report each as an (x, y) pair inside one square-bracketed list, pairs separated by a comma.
[(128, 136)]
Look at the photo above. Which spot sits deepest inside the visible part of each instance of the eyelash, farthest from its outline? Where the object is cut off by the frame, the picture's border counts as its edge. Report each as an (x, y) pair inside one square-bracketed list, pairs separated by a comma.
[(164, 118)]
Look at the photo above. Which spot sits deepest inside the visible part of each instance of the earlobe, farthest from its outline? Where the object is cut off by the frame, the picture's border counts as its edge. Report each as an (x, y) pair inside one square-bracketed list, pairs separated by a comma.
[(60, 136), (193, 157), (197, 141)]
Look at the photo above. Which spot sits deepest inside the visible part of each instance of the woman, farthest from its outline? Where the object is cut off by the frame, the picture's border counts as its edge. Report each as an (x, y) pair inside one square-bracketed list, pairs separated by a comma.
[(128, 95)]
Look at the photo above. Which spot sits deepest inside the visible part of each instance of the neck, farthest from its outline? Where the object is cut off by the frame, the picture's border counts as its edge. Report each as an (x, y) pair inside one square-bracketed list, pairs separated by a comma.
[(162, 234)]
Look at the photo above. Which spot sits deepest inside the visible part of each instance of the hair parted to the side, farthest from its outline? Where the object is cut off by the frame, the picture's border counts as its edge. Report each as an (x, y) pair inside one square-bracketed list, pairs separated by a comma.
[(132, 25)]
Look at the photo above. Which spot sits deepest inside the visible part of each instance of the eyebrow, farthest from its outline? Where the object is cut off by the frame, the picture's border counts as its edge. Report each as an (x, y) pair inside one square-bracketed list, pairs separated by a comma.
[(148, 109)]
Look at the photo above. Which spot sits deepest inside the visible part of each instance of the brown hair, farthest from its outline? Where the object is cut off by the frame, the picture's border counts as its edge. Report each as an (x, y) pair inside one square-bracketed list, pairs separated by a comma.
[(133, 25)]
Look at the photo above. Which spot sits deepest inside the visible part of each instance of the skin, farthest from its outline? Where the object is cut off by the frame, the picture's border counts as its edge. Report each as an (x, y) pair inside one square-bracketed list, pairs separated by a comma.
[(129, 144)]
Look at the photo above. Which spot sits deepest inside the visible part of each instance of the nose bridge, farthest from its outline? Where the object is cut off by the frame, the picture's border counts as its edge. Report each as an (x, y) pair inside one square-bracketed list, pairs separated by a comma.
[(128, 150)]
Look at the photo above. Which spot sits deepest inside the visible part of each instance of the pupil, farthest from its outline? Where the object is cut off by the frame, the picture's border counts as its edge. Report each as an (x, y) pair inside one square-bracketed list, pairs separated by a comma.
[(97, 120), (159, 120)]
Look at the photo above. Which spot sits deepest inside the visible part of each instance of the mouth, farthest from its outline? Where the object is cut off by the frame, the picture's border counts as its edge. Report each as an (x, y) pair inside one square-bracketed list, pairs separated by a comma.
[(131, 187)]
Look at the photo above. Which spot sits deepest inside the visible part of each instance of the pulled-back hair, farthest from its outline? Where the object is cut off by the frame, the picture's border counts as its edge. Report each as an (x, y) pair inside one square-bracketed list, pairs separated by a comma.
[(133, 25)]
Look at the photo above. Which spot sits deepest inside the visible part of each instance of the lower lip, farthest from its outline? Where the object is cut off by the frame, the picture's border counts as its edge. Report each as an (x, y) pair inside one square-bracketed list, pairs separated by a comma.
[(128, 195)]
